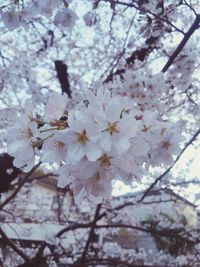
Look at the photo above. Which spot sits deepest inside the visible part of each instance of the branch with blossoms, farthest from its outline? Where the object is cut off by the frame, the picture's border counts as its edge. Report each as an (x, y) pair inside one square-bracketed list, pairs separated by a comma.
[(150, 44), (158, 14), (107, 135), (194, 26), (119, 130), (158, 179)]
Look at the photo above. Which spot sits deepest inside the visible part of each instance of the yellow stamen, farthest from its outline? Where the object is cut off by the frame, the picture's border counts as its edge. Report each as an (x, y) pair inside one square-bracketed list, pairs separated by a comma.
[(145, 128), (166, 145), (82, 137), (112, 128), (105, 161)]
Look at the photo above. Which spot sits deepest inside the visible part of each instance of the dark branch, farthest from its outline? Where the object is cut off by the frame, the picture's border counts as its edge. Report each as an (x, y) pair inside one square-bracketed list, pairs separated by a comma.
[(8, 172), (63, 76), (192, 29), (93, 225), (142, 53), (73, 227), (9, 243)]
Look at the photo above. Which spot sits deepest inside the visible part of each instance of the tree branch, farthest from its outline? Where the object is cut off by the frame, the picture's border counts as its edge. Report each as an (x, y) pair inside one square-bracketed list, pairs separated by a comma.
[(93, 225), (62, 75), (15, 248), (188, 34)]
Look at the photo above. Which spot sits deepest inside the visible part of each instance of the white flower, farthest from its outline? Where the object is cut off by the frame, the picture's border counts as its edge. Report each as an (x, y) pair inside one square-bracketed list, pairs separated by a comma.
[(166, 148), (79, 138), (182, 260), (23, 136), (55, 107), (55, 149), (66, 18), (117, 126), (151, 127), (64, 178), (89, 179), (101, 97)]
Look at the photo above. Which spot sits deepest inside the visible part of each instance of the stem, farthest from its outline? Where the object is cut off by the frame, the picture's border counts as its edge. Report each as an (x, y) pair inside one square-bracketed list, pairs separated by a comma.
[(49, 129)]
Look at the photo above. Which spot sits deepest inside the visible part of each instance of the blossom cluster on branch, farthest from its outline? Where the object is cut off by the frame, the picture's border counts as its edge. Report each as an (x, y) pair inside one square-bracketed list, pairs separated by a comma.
[(106, 136), (128, 76), (117, 131), (19, 13)]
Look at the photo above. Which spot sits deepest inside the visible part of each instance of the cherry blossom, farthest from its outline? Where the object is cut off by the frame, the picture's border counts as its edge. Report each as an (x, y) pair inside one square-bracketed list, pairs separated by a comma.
[(23, 143), (66, 18), (55, 108), (79, 137), (106, 136), (54, 149), (11, 18), (129, 117), (89, 18)]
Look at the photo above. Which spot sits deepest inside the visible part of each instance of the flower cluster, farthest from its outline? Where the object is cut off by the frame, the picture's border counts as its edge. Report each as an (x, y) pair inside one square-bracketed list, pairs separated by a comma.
[(59, 12), (103, 138), (16, 16)]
